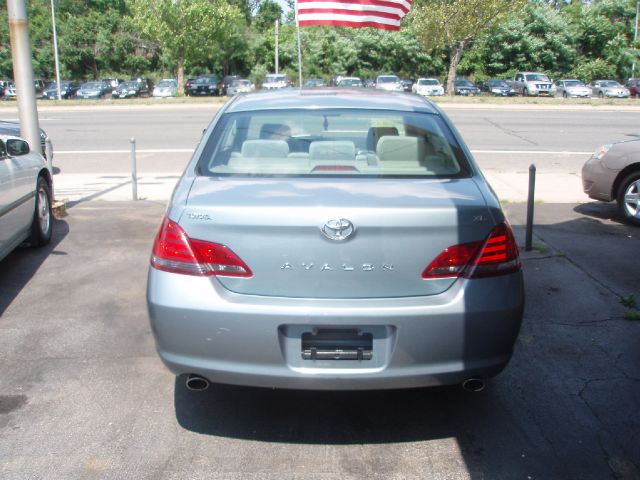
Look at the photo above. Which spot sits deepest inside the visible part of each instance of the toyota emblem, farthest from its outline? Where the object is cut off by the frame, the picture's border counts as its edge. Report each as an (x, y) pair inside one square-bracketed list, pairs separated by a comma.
[(338, 230)]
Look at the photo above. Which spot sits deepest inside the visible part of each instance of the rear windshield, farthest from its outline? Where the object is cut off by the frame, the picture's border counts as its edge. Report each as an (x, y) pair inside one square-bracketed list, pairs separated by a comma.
[(388, 79), (336, 142)]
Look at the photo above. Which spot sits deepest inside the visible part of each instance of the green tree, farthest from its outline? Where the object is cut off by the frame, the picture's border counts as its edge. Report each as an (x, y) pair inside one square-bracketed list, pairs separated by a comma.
[(187, 31), (452, 24), (268, 12)]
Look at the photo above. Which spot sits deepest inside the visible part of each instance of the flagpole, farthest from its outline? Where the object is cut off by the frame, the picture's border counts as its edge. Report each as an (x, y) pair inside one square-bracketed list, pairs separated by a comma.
[(299, 49)]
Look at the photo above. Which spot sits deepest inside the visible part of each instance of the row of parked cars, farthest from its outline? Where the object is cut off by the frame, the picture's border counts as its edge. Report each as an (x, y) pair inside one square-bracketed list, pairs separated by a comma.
[(523, 83), (533, 84)]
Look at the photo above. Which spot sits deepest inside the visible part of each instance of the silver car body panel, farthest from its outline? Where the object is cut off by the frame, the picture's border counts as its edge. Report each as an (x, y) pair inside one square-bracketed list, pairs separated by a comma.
[(250, 331)]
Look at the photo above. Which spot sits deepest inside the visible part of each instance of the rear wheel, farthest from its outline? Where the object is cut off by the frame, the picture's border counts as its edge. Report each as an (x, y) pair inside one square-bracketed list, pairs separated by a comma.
[(629, 198), (600, 95), (525, 92), (41, 226), (564, 94)]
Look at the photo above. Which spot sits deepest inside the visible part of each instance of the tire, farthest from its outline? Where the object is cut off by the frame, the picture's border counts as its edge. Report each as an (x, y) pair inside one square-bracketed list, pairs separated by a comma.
[(42, 225), (600, 95), (628, 198), (525, 92), (564, 94)]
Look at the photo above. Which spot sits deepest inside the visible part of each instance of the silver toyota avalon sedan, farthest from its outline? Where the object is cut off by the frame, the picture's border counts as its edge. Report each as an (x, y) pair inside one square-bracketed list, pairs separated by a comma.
[(336, 240)]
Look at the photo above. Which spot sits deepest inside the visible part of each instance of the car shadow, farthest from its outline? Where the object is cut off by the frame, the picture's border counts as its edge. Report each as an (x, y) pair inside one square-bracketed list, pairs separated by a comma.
[(325, 417), (601, 211), (21, 265)]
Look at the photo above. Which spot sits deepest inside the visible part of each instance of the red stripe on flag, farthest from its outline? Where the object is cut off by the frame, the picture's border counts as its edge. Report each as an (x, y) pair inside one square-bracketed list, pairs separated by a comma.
[(378, 3), (344, 23), (355, 13)]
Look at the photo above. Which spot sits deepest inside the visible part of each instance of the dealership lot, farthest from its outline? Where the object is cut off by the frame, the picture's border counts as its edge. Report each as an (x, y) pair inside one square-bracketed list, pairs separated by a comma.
[(84, 395)]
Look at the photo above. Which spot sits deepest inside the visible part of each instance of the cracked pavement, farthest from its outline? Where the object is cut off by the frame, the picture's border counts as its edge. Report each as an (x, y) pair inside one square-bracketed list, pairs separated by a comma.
[(83, 394)]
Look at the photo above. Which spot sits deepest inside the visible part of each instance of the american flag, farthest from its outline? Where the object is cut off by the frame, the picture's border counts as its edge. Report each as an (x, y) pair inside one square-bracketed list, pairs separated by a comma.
[(384, 14)]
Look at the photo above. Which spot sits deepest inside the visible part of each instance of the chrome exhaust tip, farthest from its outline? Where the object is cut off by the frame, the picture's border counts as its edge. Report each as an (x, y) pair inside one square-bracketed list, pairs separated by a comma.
[(473, 384), (196, 383)]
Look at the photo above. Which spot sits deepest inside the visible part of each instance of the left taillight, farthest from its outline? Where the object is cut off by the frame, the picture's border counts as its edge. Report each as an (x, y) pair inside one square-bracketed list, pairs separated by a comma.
[(497, 255), (173, 251)]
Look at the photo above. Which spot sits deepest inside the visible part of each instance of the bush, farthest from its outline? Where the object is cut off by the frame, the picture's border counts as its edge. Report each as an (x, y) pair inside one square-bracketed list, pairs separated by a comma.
[(589, 70)]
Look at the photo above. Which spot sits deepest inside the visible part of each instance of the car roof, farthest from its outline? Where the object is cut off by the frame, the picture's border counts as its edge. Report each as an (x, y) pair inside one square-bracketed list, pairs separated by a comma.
[(330, 98)]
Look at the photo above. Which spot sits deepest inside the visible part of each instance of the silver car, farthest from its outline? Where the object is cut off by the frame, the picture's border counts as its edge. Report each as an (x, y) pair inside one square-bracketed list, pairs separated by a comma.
[(572, 88), (25, 196), (613, 173), (608, 89), (334, 241)]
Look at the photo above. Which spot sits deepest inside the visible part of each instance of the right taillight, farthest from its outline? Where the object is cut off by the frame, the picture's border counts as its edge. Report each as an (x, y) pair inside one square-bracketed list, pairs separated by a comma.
[(173, 251), (497, 255)]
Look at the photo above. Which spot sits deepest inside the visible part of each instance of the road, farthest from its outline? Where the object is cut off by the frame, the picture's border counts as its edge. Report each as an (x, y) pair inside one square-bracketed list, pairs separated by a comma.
[(95, 140)]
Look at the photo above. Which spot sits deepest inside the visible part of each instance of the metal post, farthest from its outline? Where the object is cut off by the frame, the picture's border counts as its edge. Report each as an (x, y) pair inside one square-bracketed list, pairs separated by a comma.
[(134, 172), (299, 49), (635, 39), (55, 48), (530, 200), (277, 46), (23, 72)]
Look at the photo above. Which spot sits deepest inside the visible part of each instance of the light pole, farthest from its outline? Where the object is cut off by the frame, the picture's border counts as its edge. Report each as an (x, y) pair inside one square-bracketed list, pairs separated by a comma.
[(55, 48)]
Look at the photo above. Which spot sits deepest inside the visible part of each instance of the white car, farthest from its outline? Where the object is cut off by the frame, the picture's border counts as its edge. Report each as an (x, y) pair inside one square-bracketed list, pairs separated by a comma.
[(275, 81), (390, 83), (167, 87), (25, 196), (240, 86), (428, 87)]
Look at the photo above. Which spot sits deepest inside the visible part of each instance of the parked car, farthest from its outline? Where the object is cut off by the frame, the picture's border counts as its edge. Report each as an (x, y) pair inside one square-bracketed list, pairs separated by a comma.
[(325, 241), (94, 90), (350, 82), (226, 82), (314, 83), (241, 85), (275, 82), (633, 84), (533, 84), (204, 85), (166, 88), (146, 86), (112, 82), (608, 89), (10, 91), (570, 88), (12, 129), (613, 173), (130, 89), (407, 85), (187, 86), (428, 87), (497, 88), (25, 196), (39, 85), (390, 83), (462, 86), (68, 90)]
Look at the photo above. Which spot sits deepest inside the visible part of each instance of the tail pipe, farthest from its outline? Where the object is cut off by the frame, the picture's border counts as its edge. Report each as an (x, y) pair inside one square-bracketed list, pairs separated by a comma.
[(196, 383), (473, 384)]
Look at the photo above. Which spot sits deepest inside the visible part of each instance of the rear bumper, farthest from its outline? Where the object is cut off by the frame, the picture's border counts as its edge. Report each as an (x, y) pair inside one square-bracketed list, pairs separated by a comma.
[(467, 331)]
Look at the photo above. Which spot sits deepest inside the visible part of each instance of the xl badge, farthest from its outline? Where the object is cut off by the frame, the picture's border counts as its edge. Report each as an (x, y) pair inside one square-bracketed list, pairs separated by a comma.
[(338, 230)]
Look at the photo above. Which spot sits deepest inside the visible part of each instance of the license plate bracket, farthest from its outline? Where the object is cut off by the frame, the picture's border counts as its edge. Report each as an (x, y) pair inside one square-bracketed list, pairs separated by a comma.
[(337, 344)]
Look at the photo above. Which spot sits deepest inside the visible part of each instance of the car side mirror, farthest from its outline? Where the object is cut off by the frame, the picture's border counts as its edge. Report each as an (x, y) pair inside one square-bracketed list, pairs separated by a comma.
[(17, 147)]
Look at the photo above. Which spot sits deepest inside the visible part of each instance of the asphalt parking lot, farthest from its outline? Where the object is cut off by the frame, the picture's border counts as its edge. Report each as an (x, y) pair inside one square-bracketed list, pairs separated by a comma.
[(83, 394)]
